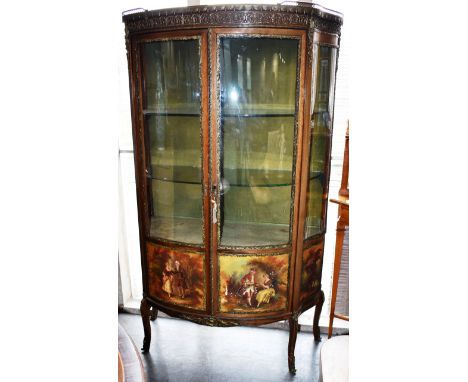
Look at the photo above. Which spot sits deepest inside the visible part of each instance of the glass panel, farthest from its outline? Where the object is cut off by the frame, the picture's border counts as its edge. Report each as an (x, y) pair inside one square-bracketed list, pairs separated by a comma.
[(172, 118), (258, 102), (321, 125)]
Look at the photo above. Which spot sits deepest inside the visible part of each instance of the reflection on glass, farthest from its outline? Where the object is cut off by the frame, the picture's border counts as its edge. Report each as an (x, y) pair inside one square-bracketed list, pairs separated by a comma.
[(258, 101), (321, 124), (172, 118)]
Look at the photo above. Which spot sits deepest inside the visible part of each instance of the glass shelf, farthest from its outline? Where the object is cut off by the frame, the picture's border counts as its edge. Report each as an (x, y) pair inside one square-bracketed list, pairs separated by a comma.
[(229, 184), (232, 177), (236, 234), (176, 174), (257, 111), (180, 229), (262, 115), (164, 114), (174, 181), (173, 112), (233, 114), (261, 185), (255, 178), (242, 234)]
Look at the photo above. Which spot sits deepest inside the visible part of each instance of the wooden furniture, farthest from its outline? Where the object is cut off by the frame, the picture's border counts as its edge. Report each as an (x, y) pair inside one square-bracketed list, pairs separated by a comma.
[(232, 113), (343, 222), (344, 188)]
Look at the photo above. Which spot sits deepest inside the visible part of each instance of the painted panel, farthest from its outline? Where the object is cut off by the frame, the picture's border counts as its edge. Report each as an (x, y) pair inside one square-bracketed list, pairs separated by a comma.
[(311, 275), (176, 277), (253, 284)]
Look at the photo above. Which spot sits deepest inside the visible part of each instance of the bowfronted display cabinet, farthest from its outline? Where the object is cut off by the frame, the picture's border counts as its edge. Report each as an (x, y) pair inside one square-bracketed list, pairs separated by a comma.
[(232, 112)]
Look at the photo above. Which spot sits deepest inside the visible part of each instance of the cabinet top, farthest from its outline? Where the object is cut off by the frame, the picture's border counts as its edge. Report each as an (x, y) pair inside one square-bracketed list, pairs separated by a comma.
[(302, 15)]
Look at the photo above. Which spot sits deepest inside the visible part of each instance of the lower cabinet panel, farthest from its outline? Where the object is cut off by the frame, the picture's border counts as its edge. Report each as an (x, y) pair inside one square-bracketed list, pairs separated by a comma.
[(253, 283), (311, 275), (176, 277)]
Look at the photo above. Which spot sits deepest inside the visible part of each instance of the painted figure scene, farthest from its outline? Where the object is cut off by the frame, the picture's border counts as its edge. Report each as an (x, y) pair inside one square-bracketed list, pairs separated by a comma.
[(249, 284), (311, 271), (176, 277)]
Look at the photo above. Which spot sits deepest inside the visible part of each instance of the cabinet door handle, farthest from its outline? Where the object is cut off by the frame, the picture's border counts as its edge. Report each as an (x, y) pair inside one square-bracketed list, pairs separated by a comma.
[(214, 211)]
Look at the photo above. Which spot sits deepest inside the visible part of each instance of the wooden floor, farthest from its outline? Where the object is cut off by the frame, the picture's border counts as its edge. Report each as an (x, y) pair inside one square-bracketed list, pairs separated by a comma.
[(182, 351)]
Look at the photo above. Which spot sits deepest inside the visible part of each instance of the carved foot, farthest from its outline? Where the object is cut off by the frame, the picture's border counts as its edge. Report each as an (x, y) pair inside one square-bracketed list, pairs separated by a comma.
[(293, 328), (154, 313), (292, 364), (318, 311), (146, 345), (145, 312), (317, 337)]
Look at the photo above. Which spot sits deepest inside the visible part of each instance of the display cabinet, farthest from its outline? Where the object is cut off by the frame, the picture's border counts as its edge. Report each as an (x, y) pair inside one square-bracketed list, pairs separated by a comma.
[(232, 113)]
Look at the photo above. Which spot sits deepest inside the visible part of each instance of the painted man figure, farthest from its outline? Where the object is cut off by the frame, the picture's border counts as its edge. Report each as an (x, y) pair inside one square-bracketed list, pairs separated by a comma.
[(248, 285)]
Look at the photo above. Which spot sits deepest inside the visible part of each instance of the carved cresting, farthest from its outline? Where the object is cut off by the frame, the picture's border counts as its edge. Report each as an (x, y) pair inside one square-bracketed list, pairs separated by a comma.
[(328, 26), (233, 15)]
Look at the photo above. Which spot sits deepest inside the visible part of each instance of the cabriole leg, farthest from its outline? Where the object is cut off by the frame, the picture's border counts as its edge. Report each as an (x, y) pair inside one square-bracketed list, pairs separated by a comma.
[(145, 315), (293, 328), (154, 313), (318, 311)]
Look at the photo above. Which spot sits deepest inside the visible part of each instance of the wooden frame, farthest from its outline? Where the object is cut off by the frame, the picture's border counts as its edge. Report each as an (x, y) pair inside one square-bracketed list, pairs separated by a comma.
[(341, 224), (309, 25), (257, 32)]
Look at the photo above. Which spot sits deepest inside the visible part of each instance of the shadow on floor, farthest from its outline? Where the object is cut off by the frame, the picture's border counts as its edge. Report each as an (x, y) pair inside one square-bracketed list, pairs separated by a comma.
[(182, 351)]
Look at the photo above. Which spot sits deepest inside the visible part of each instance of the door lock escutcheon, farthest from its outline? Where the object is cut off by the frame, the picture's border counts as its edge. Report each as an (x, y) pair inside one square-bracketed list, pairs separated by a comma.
[(214, 211)]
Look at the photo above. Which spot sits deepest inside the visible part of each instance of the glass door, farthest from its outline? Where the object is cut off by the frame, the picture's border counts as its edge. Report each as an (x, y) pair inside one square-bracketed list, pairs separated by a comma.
[(324, 68), (172, 106), (257, 108)]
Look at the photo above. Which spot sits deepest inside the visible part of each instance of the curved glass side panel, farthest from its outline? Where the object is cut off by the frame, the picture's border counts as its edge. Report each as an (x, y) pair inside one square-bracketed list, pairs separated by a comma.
[(173, 127), (323, 86), (258, 81)]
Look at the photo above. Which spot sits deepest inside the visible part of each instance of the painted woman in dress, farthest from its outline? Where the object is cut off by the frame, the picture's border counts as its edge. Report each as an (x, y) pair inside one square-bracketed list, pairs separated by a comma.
[(168, 276), (266, 293), (179, 284)]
